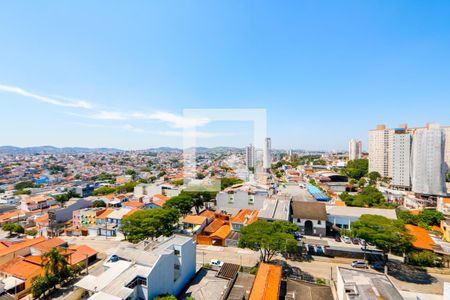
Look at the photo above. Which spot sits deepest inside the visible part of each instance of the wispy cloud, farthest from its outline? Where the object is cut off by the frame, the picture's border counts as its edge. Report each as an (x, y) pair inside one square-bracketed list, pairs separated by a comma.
[(194, 134), (46, 99), (173, 120), (126, 127)]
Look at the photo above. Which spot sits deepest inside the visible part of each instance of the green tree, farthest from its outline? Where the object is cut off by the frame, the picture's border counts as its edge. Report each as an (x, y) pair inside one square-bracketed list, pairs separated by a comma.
[(424, 259), (166, 297), (356, 169), (269, 238), (229, 181), (150, 223), (41, 285), (183, 204), (407, 217), (98, 203), (199, 198), (104, 190), (13, 228), (373, 177), (388, 235), (31, 232), (63, 198), (430, 217), (55, 264), (23, 185)]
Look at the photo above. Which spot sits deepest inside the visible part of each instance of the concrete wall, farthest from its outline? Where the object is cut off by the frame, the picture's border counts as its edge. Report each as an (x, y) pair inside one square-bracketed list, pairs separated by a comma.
[(240, 199), (318, 229)]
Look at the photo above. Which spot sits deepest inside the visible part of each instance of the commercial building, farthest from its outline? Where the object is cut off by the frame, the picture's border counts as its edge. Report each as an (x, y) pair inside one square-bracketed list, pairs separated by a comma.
[(354, 149)]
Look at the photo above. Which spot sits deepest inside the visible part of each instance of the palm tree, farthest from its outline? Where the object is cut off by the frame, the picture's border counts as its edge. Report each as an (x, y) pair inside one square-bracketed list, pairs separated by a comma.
[(55, 264)]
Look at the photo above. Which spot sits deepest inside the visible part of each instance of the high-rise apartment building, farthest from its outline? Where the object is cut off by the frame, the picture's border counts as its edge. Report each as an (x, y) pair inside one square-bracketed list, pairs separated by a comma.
[(380, 150), (267, 154), (250, 156), (414, 158), (428, 161), (354, 149), (401, 159)]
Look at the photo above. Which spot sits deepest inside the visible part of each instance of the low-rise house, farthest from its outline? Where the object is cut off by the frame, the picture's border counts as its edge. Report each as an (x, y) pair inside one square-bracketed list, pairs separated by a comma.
[(194, 224), (276, 208), (86, 217), (145, 271), (13, 216), (244, 195), (267, 283), (344, 216), (243, 218), (216, 232), (311, 217), (37, 203)]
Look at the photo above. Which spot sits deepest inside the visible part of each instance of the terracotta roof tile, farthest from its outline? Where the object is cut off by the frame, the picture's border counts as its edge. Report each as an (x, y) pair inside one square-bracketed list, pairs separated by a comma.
[(222, 232), (22, 245), (197, 220), (267, 283), (422, 238), (48, 245), (214, 226), (21, 268)]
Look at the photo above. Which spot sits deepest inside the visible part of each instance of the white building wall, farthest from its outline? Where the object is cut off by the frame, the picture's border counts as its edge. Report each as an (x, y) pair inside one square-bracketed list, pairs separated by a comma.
[(428, 167), (240, 199), (401, 160)]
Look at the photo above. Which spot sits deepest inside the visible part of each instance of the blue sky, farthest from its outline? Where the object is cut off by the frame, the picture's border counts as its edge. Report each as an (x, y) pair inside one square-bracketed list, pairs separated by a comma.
[(120, 73)]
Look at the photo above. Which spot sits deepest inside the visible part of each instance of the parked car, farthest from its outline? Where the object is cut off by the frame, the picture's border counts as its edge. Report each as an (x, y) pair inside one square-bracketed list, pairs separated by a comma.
[(337, 238), (362, 242), (320, 250), (359, 264), (216, 264), (311, 249), (378, 265), (298, 236), (346, 240), (355, 241)]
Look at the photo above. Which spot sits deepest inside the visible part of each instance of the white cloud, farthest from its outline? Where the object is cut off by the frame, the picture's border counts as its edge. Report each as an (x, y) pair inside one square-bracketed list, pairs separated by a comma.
[(194, 134), (126, 127), (175, 121), (49, 100)]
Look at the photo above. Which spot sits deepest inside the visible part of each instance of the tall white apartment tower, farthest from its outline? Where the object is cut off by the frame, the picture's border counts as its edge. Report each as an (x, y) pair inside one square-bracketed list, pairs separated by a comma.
[(380, 150), (250, 156), (354, 149), (267, 154), (401, 159), (428, 161)]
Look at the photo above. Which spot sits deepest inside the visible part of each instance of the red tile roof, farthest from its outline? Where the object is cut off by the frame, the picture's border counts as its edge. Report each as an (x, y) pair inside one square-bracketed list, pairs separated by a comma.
[(21, 245), (422, 239), (21, 268), (48, 245), (267, 283)]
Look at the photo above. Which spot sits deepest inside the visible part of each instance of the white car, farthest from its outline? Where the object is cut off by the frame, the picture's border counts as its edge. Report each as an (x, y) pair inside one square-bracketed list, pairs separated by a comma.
[(347, 240), (360, 264), (216, 264)]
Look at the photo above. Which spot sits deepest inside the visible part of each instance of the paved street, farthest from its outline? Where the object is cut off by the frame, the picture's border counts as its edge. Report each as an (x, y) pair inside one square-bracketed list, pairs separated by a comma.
[(320, 267)]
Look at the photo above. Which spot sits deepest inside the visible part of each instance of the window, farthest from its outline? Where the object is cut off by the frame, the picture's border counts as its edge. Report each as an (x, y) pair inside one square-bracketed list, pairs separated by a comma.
[(319, 222), (177, 272), (177, 252), (298, 220)]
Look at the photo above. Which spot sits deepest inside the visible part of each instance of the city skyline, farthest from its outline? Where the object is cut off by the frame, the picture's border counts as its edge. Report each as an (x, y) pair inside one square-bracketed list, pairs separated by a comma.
[(325, 74)]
